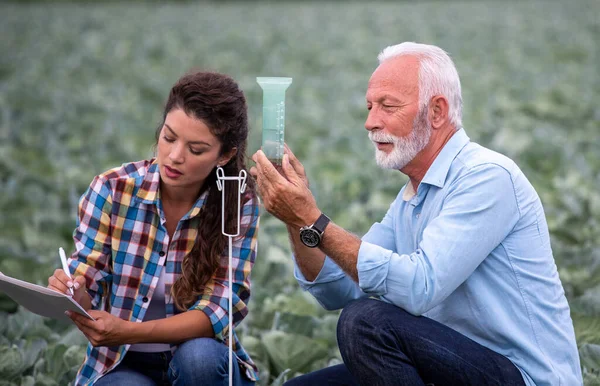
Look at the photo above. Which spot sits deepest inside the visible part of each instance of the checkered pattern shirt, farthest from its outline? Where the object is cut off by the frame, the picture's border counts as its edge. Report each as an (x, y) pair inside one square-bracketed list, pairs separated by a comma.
[(122, 245)]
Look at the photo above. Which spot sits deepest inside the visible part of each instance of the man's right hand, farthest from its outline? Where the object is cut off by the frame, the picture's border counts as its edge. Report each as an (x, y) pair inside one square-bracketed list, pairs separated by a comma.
[(296, 165), (60, 282)]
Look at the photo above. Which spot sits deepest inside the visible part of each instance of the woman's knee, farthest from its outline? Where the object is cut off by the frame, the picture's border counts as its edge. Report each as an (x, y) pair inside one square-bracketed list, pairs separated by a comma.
[(200, 358)]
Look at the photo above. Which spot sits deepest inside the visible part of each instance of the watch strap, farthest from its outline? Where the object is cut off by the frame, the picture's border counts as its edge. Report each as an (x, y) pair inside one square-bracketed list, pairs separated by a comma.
[(321, 223)]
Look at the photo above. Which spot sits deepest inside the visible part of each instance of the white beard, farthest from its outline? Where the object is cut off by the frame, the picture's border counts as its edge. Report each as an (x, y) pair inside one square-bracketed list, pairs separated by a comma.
[(405, 148)]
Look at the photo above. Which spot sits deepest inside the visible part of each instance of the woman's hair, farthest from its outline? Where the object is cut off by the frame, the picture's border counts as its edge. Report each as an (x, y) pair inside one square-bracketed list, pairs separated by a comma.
[(216, 100)]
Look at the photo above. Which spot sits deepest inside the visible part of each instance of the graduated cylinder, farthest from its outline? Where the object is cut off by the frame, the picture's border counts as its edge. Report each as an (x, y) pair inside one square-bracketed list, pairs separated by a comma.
[(273, 116)]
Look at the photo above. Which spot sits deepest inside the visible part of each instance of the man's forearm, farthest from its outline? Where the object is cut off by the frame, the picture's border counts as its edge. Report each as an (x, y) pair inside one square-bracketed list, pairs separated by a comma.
[(341, 246), (309, 260)]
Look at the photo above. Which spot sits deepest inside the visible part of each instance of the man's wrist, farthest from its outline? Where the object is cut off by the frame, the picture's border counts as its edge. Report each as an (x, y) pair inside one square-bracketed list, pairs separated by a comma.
[(311, 235), (311, 218)]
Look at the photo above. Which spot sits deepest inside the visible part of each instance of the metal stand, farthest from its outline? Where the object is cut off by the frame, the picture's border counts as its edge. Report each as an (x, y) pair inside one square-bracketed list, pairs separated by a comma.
[(241, 179)]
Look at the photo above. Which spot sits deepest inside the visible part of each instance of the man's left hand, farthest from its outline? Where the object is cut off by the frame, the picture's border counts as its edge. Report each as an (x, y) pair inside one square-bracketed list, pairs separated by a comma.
[(286, 197), (106, 330)]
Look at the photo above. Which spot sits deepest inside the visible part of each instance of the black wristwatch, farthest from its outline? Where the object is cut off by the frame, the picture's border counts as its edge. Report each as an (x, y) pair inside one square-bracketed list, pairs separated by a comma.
[(311, 235)]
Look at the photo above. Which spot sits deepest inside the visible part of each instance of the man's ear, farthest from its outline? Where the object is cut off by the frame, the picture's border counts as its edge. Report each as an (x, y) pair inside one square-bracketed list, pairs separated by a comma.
[(438, 111), (225, 158)]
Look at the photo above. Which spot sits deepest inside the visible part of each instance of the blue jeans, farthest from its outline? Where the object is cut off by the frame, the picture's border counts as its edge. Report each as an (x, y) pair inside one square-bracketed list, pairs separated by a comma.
[(382, 344), (201, 361)]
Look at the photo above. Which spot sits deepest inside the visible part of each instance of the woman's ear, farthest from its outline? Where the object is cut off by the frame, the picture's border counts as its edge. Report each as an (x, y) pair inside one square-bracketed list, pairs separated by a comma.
[(225, 158)]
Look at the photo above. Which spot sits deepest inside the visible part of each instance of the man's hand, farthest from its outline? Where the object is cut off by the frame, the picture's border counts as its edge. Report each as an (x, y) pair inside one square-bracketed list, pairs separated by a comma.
[(296, 165), (286, 196), (106, 330)]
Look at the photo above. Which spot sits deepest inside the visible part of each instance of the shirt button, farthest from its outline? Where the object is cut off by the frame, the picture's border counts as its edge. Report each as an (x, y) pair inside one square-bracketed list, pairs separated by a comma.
[(161, 253), (145, 299), (418, 214)]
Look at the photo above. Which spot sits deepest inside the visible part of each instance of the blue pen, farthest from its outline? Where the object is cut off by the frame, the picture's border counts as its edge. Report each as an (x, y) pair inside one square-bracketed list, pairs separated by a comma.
[(65, 266)]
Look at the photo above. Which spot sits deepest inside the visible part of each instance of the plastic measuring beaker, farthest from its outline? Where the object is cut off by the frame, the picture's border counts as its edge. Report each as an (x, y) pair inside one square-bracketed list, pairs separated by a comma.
[(273, 116)]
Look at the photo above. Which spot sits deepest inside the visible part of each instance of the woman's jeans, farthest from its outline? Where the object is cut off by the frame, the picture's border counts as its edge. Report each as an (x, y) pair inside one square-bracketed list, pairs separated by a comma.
[(381, 344), (201, 361)]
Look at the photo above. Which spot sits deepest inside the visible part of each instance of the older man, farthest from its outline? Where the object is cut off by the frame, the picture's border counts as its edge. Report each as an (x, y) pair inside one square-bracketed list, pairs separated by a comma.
[(457, 284)]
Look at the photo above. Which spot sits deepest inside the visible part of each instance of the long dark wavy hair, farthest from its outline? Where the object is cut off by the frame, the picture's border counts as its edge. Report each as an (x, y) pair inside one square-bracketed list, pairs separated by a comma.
[(216, 100)]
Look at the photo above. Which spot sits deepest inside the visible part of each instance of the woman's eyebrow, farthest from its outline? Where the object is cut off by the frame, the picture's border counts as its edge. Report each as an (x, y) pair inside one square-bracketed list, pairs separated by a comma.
[(191, 142)]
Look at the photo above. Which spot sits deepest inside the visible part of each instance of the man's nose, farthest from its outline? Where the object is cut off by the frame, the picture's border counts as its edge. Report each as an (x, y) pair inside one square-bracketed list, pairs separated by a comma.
[(373, 122)]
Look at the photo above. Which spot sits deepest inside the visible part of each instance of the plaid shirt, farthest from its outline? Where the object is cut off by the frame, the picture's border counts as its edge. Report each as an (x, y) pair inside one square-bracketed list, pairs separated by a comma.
[(122, 245)]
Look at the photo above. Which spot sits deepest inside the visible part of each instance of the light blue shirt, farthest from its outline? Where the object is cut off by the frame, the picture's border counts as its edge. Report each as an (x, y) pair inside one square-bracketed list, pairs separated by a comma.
[(469, 249)]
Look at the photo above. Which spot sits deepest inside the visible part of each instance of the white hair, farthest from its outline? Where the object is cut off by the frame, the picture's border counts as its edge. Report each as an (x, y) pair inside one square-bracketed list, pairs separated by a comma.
[(405, 148), (437, 76)]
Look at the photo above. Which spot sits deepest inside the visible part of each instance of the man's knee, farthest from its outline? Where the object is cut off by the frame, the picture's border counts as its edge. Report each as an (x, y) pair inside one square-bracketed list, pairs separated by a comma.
[(200, 358), (357, 318), (364, 320)]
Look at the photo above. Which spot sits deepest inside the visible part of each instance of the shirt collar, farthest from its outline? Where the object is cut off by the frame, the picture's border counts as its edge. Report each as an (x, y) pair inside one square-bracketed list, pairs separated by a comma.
[(197, 206), (149, 191), (437, 172)]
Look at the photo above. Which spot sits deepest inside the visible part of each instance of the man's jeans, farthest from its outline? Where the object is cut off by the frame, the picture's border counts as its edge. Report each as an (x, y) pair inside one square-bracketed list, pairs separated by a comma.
[(381, 344), (202, 361)]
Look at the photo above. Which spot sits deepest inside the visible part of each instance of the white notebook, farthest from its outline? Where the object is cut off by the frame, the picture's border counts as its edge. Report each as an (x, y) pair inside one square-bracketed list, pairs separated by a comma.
[(40, 300)]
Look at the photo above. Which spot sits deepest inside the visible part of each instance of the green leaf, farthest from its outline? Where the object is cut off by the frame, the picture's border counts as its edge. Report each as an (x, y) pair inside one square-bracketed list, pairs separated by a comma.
[(281, 378), (296, 324), (32, 350), (590, 357), (12, 363), (26, 323), (587, 329), (7, 304), (292, 351), (591, 379), (28, 381), (73, 337), (74, 356), (55, 365)]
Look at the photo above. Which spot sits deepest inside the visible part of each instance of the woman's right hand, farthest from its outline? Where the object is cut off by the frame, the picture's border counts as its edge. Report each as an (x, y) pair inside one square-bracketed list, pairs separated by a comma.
[(61, 282)]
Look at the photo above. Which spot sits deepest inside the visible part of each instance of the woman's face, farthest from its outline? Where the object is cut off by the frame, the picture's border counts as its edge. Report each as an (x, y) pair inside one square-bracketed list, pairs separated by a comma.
[(187, 152)]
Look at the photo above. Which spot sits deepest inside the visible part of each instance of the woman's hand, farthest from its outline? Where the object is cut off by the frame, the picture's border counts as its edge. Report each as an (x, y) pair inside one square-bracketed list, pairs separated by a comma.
[(60, 282), (106, 330)]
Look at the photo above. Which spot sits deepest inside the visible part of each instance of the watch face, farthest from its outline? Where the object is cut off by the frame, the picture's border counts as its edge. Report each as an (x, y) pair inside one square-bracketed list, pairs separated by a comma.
[(310, 237)]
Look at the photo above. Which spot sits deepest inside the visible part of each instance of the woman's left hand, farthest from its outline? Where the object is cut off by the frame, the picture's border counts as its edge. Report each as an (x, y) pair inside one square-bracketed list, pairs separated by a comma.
[(106, 330)]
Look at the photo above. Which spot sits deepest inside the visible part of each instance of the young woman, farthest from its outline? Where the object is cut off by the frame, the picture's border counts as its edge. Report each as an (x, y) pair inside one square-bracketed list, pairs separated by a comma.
[(150, 264)]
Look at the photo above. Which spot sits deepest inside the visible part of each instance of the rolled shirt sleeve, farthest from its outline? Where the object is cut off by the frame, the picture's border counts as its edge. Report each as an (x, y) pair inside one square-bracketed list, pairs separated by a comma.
[(332, 288), (478, 213), (92, 237)]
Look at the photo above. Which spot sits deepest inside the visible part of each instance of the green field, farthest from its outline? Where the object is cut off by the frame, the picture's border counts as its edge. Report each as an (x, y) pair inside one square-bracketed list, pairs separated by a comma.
[(82, 88)]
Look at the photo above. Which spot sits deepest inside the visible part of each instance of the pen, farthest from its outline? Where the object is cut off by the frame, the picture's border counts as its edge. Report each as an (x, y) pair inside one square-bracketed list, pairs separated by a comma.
[(63, 260)]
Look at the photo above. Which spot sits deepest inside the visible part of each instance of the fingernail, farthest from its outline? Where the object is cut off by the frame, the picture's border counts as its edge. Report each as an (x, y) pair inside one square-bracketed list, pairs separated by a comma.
[(68, 313), (69, 284), (76, 285)]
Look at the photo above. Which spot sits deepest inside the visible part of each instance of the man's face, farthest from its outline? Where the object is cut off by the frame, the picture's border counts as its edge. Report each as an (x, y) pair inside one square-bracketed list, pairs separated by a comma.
[(398, 130)]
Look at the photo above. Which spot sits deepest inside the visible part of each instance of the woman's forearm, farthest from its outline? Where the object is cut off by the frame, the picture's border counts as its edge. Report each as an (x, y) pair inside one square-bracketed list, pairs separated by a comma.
[(176, 329)]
